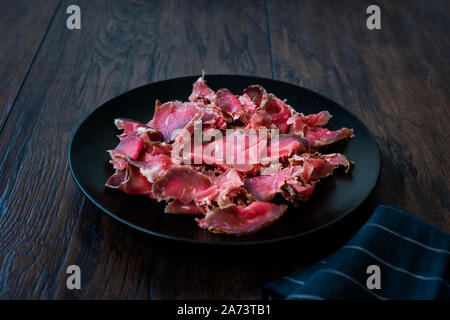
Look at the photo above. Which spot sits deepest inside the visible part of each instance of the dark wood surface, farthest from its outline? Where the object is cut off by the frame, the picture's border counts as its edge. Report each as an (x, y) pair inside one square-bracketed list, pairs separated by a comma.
[(394, 79), (23, 29)]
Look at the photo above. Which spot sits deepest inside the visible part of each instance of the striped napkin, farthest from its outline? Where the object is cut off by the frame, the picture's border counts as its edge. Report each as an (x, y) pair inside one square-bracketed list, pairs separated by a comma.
[(395, 255)]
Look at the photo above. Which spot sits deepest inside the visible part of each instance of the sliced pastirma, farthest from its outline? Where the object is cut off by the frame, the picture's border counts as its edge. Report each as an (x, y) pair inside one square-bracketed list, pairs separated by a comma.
[(264, 188), (202, 93), (130, 181), (239, 220), (320, 137), (179, 207), (184, 184), (258, 149), (229, 104), (130, 146)]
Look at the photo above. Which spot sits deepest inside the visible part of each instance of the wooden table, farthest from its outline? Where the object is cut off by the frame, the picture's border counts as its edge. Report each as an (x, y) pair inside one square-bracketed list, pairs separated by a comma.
[(396, 80)]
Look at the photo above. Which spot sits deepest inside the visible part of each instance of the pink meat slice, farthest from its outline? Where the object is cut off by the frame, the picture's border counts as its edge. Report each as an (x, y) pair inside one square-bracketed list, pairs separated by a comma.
[(314, 167), (256, 121), (240, 220), (264, 188), (213, 118), (276, 113), (229, 178), (321, 136), (184, 184), (143, 131), (338, 159), (174, 115), (154, 167), (179, 207), (248, 106), (127, 125), (287, 145), (155, 148), (295, 191), (236, 150), (296, 182), (149, 135), (130, 181), (299, 122), (307, 170), (130, 147), (316, 120), (229, 103), (202, 93), (227, 184), (257, 94)]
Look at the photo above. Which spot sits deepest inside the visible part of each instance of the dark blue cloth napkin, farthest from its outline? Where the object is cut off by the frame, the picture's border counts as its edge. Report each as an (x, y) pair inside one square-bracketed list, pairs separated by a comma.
[(412, 256)]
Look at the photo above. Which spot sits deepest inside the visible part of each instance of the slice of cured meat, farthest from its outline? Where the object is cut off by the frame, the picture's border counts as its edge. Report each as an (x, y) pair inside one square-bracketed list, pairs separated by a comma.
[(321, 136), (276, 114), (286, 145), (296, 192), (299, 123), (128, 126), (257, 94), (240, 220), (229, 185), (174, 115), (248, 106), (202, 93), (130, 147), (130, 181), (229, 104), (179, 207), (184, 184), (316, 120), (154, 167), (264, 188)]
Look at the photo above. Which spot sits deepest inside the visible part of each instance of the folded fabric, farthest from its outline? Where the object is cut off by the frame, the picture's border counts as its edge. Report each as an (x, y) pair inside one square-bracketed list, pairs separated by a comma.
[(395, 255)]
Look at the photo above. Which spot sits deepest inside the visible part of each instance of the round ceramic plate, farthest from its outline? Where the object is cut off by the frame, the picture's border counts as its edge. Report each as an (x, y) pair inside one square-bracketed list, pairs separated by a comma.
[(333, 198)]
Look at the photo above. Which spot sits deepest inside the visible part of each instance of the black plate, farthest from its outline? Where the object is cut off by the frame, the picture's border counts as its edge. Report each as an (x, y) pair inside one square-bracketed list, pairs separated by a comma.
[(333, 198)]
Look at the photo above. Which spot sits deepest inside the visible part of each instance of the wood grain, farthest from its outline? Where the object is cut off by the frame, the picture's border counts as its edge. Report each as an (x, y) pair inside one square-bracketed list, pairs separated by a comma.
[(394, 79), (46, 223), (22, 28)]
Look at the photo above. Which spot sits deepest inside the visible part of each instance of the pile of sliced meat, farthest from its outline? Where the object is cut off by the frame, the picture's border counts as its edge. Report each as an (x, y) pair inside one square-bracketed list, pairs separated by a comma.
[(226, 197)]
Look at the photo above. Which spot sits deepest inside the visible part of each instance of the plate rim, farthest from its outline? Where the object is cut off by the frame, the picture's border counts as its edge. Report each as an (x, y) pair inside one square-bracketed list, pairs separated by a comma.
[(220, 243)]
